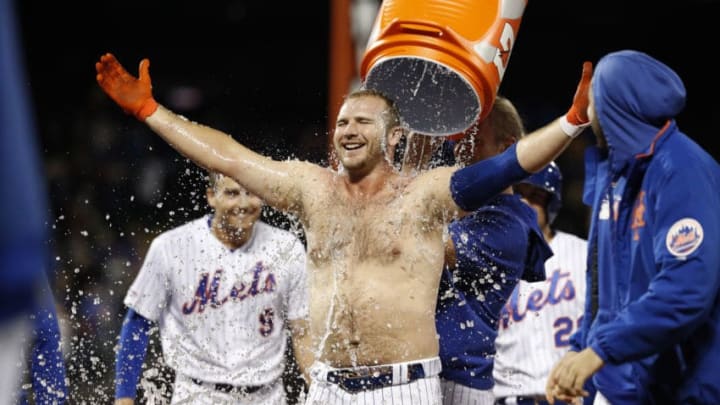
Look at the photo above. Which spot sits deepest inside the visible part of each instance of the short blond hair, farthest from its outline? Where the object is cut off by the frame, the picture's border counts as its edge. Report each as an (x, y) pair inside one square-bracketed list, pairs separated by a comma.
[(391, 114), (505, 120)]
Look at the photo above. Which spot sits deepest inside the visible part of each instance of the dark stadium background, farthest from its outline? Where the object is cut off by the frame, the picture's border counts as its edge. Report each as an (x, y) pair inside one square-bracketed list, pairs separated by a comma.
[(258, 70)]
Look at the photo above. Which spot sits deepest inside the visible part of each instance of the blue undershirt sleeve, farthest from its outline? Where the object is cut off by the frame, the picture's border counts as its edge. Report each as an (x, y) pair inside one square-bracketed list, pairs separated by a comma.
[(134, 339), (474, 185), (47, 366)]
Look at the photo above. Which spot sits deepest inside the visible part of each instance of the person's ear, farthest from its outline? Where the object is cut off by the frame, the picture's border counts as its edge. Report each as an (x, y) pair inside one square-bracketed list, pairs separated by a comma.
[(210, 196), (395, 136), (508, 142)]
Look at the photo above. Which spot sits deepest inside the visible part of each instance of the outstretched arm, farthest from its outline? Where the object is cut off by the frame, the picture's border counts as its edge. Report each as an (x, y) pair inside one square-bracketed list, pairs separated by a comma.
[(212, 149), (473, 185), (536, 150)]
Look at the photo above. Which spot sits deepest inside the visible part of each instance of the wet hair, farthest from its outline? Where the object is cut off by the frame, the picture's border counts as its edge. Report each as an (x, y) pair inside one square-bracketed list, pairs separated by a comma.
[(213, 178), (505, 120), (391, 114)]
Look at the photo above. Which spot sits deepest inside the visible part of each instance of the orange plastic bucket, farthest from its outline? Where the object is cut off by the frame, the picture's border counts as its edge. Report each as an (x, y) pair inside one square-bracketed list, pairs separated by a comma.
[(442, 61)]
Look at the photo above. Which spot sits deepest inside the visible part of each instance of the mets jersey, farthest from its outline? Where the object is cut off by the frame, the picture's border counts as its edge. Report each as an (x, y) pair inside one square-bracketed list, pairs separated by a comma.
[(495, 246), (538, 320), (222, 312)]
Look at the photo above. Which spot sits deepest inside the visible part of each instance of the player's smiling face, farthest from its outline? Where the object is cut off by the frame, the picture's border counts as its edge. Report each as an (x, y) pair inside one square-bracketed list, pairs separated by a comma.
[(236, 210), (359, 132)]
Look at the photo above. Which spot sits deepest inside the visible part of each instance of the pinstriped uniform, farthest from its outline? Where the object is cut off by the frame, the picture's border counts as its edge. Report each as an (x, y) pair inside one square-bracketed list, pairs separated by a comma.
[(423, 391), (538, 320), (458, 394), (222, 312)]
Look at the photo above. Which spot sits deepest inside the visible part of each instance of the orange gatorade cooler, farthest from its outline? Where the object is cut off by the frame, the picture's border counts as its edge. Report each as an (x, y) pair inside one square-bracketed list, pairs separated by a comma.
[(442, 61)]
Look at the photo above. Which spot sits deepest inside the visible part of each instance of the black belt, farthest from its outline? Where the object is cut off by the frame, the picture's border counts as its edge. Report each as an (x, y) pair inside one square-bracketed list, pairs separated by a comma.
[(229, 388), (523, 400), (359, 379)]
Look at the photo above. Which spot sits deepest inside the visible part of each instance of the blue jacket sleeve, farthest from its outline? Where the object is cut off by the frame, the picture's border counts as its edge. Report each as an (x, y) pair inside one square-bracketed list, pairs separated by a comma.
[(47, 365), (684, 280), (134, 339), (472, 186), (577, 340), (594, 166)]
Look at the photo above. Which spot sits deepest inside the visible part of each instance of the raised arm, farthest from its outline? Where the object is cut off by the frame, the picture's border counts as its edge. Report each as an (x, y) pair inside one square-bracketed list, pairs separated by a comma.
[(473, 185), (212, 149), (543, 145)]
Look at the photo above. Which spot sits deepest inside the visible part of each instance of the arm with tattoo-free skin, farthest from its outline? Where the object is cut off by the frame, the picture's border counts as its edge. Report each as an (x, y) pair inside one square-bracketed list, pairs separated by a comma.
[(473, 185), (543, 145), (276, 182)]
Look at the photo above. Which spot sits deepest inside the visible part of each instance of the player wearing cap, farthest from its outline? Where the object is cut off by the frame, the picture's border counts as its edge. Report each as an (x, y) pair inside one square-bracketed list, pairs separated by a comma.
[(221, 289), (537, 321)]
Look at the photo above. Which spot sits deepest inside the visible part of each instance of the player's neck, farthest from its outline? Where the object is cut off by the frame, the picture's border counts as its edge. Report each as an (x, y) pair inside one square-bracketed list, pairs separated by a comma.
[(367, 185), (548, 233), (231, 238)]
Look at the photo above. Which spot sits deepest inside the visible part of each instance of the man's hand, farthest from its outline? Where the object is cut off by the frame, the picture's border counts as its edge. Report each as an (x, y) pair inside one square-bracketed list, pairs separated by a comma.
[(567, 378), (576, 118), (133, 95), (124, 401)]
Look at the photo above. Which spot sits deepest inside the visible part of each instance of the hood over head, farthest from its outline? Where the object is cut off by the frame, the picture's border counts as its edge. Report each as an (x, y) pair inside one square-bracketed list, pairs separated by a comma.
[(635, 95)]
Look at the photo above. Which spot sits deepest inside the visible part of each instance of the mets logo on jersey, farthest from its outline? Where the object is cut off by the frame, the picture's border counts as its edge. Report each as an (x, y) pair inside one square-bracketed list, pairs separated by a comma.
[(684, 237)]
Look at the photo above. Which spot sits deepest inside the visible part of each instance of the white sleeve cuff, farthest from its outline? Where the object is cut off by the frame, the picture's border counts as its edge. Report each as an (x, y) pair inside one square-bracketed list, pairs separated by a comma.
[(572, 130)]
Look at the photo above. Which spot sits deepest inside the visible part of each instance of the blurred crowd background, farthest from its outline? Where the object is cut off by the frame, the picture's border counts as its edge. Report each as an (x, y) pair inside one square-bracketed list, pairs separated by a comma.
[(260, 71)]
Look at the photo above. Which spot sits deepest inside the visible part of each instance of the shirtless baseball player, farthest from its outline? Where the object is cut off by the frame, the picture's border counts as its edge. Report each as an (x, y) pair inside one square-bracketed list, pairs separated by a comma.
[(374, 237)]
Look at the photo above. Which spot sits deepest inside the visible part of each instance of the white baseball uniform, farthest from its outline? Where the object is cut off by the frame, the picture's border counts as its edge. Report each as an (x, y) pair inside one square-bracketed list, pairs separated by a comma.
[(222, 312), (538, 320)]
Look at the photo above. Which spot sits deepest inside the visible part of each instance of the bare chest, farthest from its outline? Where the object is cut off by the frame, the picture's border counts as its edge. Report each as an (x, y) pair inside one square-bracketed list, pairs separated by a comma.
[(355, 232)]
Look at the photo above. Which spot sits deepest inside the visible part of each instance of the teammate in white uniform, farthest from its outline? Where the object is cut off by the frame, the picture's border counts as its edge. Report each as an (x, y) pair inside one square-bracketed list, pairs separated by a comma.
[(221, 289), (538, 320)]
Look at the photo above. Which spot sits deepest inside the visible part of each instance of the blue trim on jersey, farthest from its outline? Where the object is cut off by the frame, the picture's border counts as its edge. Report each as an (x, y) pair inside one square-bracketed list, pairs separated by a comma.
[(134, 340), (495, 246), (473, 185)]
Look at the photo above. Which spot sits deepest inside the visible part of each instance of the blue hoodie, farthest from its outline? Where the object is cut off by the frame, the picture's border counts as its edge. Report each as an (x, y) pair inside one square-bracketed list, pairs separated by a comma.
[(653, 305)]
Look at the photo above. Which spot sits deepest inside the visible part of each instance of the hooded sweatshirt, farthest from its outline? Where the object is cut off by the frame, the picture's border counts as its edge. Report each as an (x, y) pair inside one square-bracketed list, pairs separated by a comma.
[(653, 305)]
